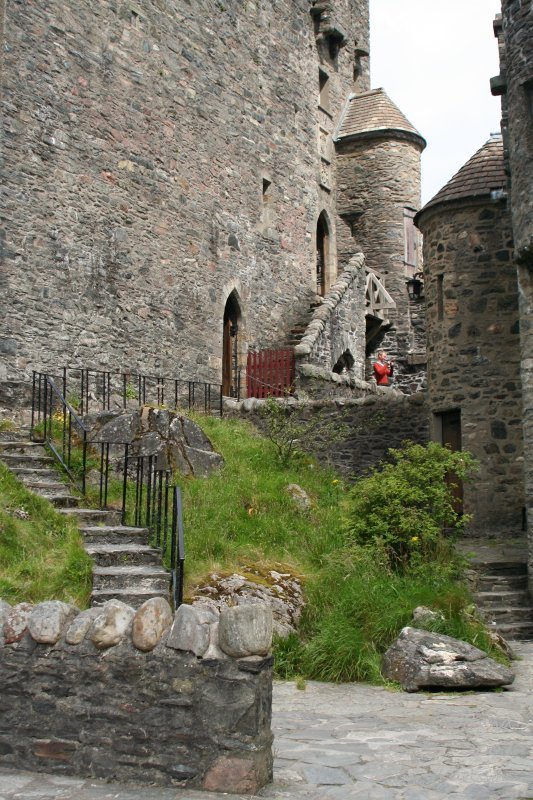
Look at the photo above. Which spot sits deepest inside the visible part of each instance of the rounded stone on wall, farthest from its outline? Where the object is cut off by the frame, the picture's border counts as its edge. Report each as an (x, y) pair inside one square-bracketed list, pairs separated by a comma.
[(150, 622), (48, 620), (245, 630)]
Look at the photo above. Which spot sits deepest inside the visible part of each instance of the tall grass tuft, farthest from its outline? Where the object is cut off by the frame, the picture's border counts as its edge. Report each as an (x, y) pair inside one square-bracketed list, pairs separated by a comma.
[(41, 554)]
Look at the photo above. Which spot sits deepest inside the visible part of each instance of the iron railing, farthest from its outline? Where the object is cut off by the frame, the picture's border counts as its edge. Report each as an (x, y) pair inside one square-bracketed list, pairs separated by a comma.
[(157, 505), (84, 386), (56, 423), (149, 497)]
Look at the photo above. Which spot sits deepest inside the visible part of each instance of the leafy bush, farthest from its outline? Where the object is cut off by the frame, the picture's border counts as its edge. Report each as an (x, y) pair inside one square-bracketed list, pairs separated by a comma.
[(406, 504), (287, 431)]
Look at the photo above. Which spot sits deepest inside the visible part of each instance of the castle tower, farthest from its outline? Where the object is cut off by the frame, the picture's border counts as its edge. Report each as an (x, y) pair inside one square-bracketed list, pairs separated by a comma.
[(474, 388), (378, 194)]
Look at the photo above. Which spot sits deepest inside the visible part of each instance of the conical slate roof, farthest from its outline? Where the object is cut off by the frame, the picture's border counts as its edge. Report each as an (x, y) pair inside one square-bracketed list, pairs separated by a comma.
[(482, 174), (373, 112)]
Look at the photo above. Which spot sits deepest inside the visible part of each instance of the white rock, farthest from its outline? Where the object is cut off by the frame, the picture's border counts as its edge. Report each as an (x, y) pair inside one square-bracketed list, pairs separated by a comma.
[(48, 620), (190, 630), (245, 630), (80, 625), (112, 624), (16, 622), (150, 622)]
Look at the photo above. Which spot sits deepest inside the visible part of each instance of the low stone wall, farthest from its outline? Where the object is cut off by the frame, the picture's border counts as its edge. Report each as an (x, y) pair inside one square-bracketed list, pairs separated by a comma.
[(374, 423), (138, 696), (318, 383)]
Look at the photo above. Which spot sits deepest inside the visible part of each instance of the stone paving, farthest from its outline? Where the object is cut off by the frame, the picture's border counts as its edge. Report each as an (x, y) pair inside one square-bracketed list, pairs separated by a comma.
[(356, 741)]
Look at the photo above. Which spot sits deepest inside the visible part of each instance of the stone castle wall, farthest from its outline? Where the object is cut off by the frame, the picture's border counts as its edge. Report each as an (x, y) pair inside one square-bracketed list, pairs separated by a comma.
[(517, 19), (516, 57), (473, 350), (135, 696), (158, 157)]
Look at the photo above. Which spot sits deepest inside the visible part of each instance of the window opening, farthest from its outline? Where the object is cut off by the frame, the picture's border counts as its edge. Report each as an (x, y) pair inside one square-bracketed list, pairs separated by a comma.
[(411, 255), (323, 84), (440, 297)]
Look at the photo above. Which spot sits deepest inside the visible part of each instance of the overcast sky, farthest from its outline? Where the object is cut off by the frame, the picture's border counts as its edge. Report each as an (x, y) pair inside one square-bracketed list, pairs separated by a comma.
[(434, 58)]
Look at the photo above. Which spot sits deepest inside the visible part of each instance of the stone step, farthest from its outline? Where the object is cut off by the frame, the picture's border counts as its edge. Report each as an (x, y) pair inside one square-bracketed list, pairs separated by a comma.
[(19, 445), (28, 473), (494, 583), (519, 631), (114, 534), (113, 555), (60, 501), (129, 596), (508, 613), (487, 600), (151, 578), (20, 460), (46, 485), (502, 568), (94, 516)]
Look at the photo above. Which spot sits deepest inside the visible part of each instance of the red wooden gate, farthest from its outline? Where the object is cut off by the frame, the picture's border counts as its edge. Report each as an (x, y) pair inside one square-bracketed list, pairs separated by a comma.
[(270, 373)]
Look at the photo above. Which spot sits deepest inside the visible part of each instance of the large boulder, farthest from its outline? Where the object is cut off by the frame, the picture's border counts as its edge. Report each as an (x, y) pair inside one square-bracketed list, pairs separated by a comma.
[(423, 660)]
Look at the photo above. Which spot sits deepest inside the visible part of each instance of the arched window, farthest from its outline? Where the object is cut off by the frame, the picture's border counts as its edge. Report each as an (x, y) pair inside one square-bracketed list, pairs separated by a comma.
[(230, 347), (322, 254)]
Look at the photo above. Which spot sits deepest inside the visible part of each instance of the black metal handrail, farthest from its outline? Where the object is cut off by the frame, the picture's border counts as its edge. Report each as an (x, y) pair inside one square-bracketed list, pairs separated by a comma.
[(50, 408), (152, 502), (158, 507), (100, 386)]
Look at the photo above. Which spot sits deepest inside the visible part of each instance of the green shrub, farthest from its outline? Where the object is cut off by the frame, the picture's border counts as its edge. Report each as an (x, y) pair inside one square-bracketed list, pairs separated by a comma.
[(406, 504), (292, 436)]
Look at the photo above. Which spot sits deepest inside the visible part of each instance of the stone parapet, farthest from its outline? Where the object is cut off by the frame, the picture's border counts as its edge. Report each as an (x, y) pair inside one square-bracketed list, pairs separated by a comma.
[(138, 695), (337, 324)]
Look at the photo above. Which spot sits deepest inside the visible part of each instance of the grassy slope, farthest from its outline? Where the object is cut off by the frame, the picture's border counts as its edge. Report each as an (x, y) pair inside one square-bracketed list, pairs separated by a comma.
[(41, 556), (355, 605), (245, 511)]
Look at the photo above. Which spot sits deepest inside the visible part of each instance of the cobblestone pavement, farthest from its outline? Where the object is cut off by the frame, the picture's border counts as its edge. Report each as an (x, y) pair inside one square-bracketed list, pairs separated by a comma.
[(357, 741)]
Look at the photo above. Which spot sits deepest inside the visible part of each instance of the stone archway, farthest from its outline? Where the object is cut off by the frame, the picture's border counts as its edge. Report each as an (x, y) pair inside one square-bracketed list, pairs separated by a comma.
[(323, 254), (230, 346)]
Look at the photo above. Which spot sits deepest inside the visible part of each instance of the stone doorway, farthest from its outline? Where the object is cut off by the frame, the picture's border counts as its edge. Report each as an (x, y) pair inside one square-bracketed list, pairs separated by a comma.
[(230, 347), (322, 255), (450, 425)]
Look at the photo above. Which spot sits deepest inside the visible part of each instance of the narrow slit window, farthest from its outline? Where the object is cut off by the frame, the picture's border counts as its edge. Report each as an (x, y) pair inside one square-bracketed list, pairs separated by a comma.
[(323, 85), (440, 297), (411, 255)]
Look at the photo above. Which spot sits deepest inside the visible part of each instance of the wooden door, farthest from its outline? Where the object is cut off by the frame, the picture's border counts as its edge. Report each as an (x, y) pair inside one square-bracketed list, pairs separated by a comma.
[(451, 436), (226, 357)]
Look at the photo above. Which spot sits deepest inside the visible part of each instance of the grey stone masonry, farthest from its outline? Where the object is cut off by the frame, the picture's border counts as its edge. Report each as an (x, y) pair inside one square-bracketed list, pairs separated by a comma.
[(473, 350), (338, 323), (371, 424), (157, 158), (114, 695)]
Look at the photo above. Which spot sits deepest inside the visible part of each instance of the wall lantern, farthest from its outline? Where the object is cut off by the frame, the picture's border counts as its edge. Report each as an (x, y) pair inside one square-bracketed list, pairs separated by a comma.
[(415, 287)]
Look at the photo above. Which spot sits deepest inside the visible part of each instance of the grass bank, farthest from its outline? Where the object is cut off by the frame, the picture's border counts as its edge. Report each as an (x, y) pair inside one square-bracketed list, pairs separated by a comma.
[(41, 555), (356, 604)]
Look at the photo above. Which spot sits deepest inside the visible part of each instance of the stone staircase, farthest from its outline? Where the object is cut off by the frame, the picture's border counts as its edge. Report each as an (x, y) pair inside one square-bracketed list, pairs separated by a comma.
[(125, 566), (298, 331), (498, 579)]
